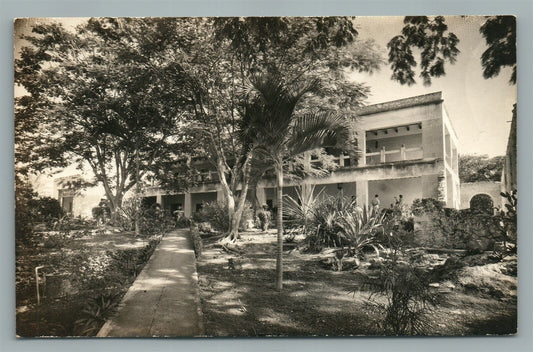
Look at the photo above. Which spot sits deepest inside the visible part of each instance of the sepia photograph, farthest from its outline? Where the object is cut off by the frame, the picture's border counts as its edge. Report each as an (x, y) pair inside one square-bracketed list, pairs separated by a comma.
[(265, 176)]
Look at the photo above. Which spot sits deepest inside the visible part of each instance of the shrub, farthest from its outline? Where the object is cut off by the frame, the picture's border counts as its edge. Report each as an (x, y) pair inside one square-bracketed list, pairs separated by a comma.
[(507, 217), (45, 208), (196, 241), (426, 206), (95, 313), (323, 226), (264, 217), (156, 222), (217, 215), (298, 212), (359, 230), (101, 213), (407, 295)]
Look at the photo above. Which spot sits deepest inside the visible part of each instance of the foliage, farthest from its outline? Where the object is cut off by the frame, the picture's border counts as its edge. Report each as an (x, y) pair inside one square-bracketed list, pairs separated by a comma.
[(428, 35), (31, 209), (155, 221), (101, 213), (23, 218), (45, 209), (263, 217), (426, 206), (95, 313), (340, 222), (299, 211), (508, 217), (197, 242), (182, 222), (359, 229), (407, 295), (90, 86), (68, 223), (500, 35), (217, 215), (436, 45), (324, 229), (476, 168)]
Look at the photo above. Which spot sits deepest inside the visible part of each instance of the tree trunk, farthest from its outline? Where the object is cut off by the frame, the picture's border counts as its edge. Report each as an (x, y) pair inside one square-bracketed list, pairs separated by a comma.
[(137, 189), (279, 256), (253, 191), (233, 231)]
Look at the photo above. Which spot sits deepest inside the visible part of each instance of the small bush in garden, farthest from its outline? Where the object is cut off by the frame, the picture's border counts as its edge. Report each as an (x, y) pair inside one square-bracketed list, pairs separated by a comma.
[(298, 212), (95, 313), (323, 226), (407, 298), (156, 222), (507, 219), (182, 222), (101, 213), (197, 242), (217, 215), (264, 218)]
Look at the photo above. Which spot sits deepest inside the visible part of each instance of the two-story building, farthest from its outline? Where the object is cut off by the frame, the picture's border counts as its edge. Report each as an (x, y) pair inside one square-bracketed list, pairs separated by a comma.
[(407, 147)]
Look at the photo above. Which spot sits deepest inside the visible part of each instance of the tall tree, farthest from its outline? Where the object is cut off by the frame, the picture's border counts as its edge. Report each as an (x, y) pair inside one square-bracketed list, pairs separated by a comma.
[(105, 93), (280, 133), (239, 49)]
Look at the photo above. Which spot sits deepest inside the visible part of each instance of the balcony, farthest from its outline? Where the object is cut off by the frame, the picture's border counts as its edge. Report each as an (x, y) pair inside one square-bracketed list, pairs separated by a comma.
[(386, 156)]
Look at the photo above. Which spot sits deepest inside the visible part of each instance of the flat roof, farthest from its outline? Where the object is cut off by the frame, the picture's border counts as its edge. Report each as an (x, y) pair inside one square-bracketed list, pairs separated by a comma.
[(424, 99)]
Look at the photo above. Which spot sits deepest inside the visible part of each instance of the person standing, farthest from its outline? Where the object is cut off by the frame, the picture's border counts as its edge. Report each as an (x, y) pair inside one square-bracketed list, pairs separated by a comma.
[(375, 205)]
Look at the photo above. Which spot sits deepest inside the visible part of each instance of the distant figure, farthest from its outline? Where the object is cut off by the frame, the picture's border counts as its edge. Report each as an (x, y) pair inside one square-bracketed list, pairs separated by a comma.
[(399, 202), (375, 205)]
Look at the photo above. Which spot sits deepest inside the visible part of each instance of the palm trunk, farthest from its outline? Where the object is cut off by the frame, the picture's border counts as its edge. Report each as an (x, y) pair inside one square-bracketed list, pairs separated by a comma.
[(279, 256)]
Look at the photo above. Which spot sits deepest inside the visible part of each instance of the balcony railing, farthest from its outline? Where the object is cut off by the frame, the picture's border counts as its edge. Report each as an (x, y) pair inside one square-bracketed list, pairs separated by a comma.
[(206, 177), (401, 154)]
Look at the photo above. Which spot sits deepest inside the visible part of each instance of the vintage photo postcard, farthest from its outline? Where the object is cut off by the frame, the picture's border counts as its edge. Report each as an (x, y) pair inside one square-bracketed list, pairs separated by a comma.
[(265, 176)]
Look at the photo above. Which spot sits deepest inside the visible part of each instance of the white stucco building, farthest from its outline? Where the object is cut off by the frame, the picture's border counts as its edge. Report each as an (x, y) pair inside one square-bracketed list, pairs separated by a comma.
[(408, 147)]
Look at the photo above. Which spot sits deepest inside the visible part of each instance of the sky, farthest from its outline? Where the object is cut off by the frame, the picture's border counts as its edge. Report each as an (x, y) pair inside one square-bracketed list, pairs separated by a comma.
[(480, 109)]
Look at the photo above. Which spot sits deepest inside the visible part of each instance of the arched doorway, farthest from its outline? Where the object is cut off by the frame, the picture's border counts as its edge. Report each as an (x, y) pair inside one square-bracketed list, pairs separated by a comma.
[(482, 203)]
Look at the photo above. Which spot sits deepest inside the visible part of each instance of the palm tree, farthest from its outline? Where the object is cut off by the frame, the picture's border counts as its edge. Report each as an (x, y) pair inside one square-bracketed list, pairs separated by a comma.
[(277, 133)]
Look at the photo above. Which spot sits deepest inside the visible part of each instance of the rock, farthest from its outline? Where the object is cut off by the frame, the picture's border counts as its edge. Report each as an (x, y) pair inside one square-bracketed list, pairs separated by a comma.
[(446, 270)]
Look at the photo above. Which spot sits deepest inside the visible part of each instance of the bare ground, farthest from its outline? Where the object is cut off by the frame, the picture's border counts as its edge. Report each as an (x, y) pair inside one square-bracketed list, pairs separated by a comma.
[(239, 297)]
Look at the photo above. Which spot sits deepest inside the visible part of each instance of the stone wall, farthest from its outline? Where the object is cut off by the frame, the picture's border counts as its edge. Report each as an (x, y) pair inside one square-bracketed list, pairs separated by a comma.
[(468, 190)]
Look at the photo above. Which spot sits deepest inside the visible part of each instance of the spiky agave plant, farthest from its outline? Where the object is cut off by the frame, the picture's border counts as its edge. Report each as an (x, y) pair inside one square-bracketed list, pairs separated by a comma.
[(359, 229), (300, 209)]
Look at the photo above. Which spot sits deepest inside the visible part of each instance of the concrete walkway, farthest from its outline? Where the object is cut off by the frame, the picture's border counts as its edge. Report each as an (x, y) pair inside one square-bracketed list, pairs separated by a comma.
[(164, 299)]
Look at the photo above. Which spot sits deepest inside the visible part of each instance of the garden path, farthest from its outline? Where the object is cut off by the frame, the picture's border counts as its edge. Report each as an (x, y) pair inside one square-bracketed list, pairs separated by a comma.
[(164, 299)]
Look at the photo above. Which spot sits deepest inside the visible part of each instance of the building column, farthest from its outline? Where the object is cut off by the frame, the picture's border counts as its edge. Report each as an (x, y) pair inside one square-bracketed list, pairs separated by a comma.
[(361, 139), (361, 192), (261, 195), (187, 207), (159, 199), (220, 195)]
